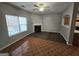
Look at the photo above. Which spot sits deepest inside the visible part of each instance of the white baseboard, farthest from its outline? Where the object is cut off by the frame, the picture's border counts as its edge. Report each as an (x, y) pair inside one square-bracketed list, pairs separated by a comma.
[(66, 40), (14, 42), (63, 36), (4, 54), (68, 43)]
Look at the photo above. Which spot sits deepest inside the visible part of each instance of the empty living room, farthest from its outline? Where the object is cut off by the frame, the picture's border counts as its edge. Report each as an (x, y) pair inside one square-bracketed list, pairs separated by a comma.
[(39, 29)]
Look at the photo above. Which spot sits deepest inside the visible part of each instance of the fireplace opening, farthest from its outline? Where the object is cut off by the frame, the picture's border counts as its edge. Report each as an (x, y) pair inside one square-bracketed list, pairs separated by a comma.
[(37, 28)]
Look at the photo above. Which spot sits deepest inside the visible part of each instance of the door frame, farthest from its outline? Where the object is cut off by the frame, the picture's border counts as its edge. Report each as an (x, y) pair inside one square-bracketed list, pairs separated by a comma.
[(75, 11)]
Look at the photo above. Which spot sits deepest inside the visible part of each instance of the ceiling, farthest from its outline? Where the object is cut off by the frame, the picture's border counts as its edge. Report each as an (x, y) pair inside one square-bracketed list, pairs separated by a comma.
[(54, 7)]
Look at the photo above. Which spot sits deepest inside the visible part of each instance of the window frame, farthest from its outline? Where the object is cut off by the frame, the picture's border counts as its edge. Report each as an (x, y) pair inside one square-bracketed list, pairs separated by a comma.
[(23, 24), (18, 25)]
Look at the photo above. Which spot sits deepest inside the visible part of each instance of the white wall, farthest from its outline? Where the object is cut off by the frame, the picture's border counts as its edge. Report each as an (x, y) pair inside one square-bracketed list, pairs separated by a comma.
[(8, 9), (65, 30), (51, 22), (37, 20)]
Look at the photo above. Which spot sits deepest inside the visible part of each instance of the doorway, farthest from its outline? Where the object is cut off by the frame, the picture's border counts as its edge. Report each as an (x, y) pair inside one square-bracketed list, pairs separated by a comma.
[(74, 33)]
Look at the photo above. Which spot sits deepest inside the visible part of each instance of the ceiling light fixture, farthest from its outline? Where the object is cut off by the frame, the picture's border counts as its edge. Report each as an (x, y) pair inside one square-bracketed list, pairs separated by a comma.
[(41, 9), (41, 6)]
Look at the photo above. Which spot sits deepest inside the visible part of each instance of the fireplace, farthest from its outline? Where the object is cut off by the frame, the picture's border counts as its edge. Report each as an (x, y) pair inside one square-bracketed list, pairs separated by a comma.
[(37, 28)]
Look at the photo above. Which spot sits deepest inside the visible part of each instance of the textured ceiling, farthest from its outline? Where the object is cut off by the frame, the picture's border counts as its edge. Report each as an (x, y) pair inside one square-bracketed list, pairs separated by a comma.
[(54, 7)]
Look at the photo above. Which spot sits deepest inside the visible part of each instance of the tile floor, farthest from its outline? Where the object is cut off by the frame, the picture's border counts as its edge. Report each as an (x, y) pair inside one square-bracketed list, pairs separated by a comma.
[(42, 44)]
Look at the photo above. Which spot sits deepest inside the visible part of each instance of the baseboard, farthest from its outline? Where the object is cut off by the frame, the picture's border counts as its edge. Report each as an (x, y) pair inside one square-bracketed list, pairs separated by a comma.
[(66, 40), (68, 43), (50, 31), (14, 42), (4, 54), (63, 36)]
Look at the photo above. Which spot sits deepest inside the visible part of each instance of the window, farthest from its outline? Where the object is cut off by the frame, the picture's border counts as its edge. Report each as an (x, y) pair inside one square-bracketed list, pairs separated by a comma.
[(22, 22), (16, 24)]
